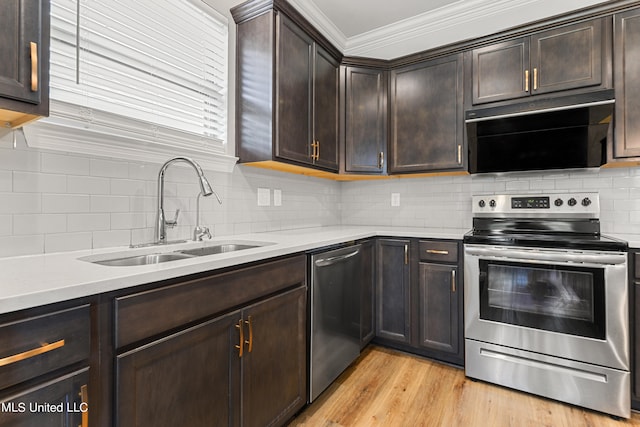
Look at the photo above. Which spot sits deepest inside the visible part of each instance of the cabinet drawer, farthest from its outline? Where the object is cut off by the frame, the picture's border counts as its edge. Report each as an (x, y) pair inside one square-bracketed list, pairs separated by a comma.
[(436, 250), (146, 314), (37, 345)]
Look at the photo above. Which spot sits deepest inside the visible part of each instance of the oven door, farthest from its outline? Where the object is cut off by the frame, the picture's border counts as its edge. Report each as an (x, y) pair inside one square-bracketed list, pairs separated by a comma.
[(570, 304)]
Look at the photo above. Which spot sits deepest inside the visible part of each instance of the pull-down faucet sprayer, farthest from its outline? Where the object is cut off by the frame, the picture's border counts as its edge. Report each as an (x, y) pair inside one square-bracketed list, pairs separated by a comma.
[(162, 222)]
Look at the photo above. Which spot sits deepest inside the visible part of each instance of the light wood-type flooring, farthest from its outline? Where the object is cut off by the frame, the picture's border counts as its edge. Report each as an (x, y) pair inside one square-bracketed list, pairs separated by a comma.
[(389, 388)]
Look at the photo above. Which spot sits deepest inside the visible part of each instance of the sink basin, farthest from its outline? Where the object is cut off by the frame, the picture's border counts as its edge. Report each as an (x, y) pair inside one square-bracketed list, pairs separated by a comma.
[(143, 259), (217, 249)]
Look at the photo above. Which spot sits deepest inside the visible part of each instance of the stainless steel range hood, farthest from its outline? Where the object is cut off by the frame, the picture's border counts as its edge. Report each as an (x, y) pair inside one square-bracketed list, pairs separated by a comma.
[(552, 133)]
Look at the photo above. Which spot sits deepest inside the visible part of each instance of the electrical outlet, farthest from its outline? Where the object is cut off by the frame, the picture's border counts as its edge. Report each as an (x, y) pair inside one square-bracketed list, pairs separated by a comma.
[(277, 197), (395, 199), (264, 197)]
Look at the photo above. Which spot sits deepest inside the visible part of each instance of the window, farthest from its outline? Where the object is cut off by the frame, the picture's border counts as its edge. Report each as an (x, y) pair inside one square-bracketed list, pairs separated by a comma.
[(143, 76)]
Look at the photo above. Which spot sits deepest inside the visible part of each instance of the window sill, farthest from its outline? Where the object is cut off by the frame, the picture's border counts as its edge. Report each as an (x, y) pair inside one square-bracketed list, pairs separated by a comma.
[(84, 133)]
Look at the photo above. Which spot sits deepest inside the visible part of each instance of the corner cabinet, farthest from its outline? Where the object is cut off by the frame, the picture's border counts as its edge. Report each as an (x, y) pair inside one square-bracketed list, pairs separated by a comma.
[(365, 120), (393, 290), (426, 108), (626, 82), (574, 56), (24, 68), (287, 82)]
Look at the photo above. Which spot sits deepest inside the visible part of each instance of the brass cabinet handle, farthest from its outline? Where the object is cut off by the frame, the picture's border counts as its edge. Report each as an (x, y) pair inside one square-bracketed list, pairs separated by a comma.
[(453, 281), (406, 254), (34, 66), (437, 252), (526, 80), (241, 346), (84, 406), (381, 160), (317, 150), (250, 342), (31, 353), (535, 79), (459, 154)]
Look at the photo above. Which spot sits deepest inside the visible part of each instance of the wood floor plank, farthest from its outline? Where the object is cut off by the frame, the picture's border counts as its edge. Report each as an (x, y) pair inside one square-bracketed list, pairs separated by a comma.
[(389, 388)]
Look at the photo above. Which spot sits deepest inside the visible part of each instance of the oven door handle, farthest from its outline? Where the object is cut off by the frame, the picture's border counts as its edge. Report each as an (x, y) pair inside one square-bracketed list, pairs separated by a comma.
[(602, 258)]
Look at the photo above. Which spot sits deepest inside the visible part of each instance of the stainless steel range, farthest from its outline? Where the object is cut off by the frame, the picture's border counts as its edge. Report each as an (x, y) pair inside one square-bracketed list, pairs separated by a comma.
[(546, 300)]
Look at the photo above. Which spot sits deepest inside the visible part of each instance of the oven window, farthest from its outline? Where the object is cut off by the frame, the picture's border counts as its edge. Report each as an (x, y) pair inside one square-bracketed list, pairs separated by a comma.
[(555, 298)]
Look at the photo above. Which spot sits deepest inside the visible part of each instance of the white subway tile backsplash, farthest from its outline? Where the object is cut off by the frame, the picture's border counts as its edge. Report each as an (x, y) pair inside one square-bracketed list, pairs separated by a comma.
[(88, 185), (65, 164), (64, 242), (6, 225), (109, 203), (88, 222), (108, 239), (36, 182), (21, 245), (109, 168), (128, 221), (6, 181), (19, 160), (29, 224), (20, 203), (65, 203)]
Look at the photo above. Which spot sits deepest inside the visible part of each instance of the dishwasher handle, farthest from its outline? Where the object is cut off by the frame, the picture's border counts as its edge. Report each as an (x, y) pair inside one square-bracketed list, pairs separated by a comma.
[(325, 262)]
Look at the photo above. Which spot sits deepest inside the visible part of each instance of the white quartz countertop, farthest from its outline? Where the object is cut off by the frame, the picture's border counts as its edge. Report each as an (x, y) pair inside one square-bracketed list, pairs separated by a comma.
[(30, 281)]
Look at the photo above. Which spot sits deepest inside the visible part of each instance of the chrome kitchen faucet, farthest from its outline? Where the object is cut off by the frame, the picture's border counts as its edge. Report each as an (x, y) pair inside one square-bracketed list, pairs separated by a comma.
[(162, 223)]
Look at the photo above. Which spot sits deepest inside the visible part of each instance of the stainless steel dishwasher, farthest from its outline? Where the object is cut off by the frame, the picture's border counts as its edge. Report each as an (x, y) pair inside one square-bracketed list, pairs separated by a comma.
[(335, 315)]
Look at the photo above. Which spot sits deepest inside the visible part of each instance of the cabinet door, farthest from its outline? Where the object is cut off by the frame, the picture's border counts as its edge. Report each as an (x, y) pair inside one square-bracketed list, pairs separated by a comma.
[(274, 368), (439, 307), (500, 71), (325, 109), (366, 120), (627, 84), (294, 71), (185, 379), (367, 303), (567, 58), (393, 296), (20, 26), (426, 116), (64, 394)]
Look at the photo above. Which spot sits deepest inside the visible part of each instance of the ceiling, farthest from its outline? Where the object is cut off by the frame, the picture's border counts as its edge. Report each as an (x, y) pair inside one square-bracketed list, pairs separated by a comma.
[(389, 29)]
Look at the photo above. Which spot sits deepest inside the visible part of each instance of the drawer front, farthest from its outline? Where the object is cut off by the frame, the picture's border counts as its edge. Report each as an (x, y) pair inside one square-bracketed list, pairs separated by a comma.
[(438, 251), (146, 314), (37, 345)]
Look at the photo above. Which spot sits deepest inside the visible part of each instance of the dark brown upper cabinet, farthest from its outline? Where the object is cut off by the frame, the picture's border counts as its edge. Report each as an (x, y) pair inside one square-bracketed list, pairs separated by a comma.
[(427, 116), (24, 67), (287, 103), (564, 58), (626, 78), (365, 120)]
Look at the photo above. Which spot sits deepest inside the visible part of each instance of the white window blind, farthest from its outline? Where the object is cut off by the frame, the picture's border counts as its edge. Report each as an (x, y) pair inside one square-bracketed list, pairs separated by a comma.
[(157, 68)]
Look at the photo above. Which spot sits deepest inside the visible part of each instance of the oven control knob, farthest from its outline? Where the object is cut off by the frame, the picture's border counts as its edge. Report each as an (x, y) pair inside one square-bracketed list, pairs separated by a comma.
[(481, 203), (558, 202), (572, 202), (492, 203), (586, 201)]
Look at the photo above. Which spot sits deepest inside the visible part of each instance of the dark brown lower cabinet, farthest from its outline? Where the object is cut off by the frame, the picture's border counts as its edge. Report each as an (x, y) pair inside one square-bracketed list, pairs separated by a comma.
[(184, 379), (419, 297), (367, 303), (439, 307), (56, 403), (634, 321), (245, 368), (393, 291)]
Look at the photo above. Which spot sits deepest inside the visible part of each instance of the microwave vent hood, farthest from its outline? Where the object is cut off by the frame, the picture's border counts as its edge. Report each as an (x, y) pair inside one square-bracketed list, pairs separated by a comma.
[(554, 133)]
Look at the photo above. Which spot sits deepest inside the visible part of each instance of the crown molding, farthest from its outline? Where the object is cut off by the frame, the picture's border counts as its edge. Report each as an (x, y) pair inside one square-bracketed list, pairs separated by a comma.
[(459, 21)]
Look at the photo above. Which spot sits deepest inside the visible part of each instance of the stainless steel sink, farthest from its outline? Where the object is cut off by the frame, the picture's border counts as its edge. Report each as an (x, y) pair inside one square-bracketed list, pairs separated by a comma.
[(125, 261), (217, 249), (143, 259)]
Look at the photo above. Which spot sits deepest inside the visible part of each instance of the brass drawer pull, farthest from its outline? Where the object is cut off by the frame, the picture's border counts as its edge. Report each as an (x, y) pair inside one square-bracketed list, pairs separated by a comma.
[(526, 80), (84, 406), (241, 346), (453, 281), (250, 342), (406, 254), (31, 353), (535, 79), (437, 252), (34, 66)]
